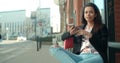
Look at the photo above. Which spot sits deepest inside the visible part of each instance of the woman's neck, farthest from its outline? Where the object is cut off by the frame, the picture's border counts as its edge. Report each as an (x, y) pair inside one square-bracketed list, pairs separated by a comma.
[(90, 24)]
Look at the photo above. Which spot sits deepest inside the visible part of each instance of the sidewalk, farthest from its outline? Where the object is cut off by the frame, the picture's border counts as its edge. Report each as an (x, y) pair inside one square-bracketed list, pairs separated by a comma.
[(9, 41), (33, 56)]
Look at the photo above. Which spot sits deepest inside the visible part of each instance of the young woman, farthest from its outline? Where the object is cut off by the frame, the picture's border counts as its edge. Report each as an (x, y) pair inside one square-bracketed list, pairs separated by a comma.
[(90, 40)]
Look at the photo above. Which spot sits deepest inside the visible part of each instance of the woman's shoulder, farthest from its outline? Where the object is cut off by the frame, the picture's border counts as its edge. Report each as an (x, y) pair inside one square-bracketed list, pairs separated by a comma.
[(100, 28), (104, 26)]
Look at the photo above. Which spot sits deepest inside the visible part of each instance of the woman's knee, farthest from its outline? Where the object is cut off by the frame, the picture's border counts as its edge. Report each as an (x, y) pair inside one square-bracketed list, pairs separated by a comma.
[(92, 59), (54, 50)]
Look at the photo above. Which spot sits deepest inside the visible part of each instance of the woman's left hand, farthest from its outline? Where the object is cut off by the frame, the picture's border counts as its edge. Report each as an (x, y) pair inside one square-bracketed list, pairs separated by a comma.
[(84, 33)]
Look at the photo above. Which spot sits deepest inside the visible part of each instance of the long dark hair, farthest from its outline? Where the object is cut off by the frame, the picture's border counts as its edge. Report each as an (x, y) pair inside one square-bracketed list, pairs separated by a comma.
[(98, 18)]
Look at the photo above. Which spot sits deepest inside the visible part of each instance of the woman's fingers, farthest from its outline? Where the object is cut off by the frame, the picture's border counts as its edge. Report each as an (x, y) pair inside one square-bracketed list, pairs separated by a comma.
[(73, 31), (84, 33)]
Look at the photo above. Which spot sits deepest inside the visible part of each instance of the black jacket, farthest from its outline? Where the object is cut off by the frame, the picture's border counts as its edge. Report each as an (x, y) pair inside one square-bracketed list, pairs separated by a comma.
[(99, 40)]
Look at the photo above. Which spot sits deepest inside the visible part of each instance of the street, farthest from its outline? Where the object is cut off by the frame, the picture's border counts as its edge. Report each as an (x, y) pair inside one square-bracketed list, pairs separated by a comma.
[(25, 52)]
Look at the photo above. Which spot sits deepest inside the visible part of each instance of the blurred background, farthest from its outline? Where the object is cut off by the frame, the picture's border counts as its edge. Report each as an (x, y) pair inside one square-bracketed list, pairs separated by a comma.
[(26, 20)]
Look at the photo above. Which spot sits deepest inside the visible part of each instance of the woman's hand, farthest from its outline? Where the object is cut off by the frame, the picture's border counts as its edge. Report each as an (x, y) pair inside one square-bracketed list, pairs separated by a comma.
[(55, 45), (73, 30), (84, 33)]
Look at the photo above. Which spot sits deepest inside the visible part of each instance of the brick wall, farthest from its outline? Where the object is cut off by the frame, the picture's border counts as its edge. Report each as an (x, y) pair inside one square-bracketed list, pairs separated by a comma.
[(117, 20), (117, 25), (118, 58)]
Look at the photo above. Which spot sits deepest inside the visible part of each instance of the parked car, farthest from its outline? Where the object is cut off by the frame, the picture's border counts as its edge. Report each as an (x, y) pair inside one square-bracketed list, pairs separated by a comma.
[(21, 38)]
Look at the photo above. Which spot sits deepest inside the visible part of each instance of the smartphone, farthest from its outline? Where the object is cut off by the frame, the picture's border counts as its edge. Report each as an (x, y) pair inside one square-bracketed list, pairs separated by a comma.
[(71, 25)]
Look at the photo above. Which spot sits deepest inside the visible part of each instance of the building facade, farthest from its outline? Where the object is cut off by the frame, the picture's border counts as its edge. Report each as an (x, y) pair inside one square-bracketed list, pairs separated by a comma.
[(43, 27), (12, 23)]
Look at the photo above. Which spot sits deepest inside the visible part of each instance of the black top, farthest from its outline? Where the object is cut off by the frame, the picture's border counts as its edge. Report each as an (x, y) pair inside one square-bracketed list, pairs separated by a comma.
[(99, 40)]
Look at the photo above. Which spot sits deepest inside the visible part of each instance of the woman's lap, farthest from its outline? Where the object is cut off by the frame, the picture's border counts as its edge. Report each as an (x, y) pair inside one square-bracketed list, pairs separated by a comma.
[(68, 57), (63, 55)]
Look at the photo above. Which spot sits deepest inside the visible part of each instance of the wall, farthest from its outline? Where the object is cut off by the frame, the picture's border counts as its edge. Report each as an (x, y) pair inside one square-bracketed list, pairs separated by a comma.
[(117, 25), (117, 20)]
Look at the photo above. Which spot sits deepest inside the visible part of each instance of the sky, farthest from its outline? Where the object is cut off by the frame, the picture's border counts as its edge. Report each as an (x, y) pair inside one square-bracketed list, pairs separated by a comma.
[(32, 5), (10, 5), (28, 5)]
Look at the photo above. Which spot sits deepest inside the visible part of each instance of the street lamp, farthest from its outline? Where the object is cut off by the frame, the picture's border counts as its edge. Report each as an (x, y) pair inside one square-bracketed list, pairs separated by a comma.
[(33, 16), (7, 37)]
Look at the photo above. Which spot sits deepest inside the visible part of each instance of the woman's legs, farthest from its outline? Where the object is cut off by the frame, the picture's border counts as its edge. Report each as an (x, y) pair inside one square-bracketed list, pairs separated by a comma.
[(91, 58), (67, 57), (64, 56)]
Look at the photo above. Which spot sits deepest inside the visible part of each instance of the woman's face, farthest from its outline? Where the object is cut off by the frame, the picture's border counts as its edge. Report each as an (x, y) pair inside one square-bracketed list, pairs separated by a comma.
[(89, 14)]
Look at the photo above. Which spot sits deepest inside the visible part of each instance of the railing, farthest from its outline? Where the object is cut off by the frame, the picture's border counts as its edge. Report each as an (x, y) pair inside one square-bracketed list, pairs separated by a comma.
[(114, 47)]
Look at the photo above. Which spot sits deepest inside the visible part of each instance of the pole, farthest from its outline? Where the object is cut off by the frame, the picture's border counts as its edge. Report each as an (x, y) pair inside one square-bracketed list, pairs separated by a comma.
[(7, 37), (33, 16), (35, 26), (36, 37)]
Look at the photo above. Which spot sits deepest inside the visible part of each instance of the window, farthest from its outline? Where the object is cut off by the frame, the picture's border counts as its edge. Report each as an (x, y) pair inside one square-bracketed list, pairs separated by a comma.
[(100, 4)]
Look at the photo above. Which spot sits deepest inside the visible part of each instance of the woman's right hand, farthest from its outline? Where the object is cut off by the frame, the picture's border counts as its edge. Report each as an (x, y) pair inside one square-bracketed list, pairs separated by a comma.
[(73, 30)]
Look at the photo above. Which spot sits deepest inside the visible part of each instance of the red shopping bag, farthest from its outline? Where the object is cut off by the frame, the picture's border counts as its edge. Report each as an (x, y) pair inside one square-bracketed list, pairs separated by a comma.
[(68, 43)]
